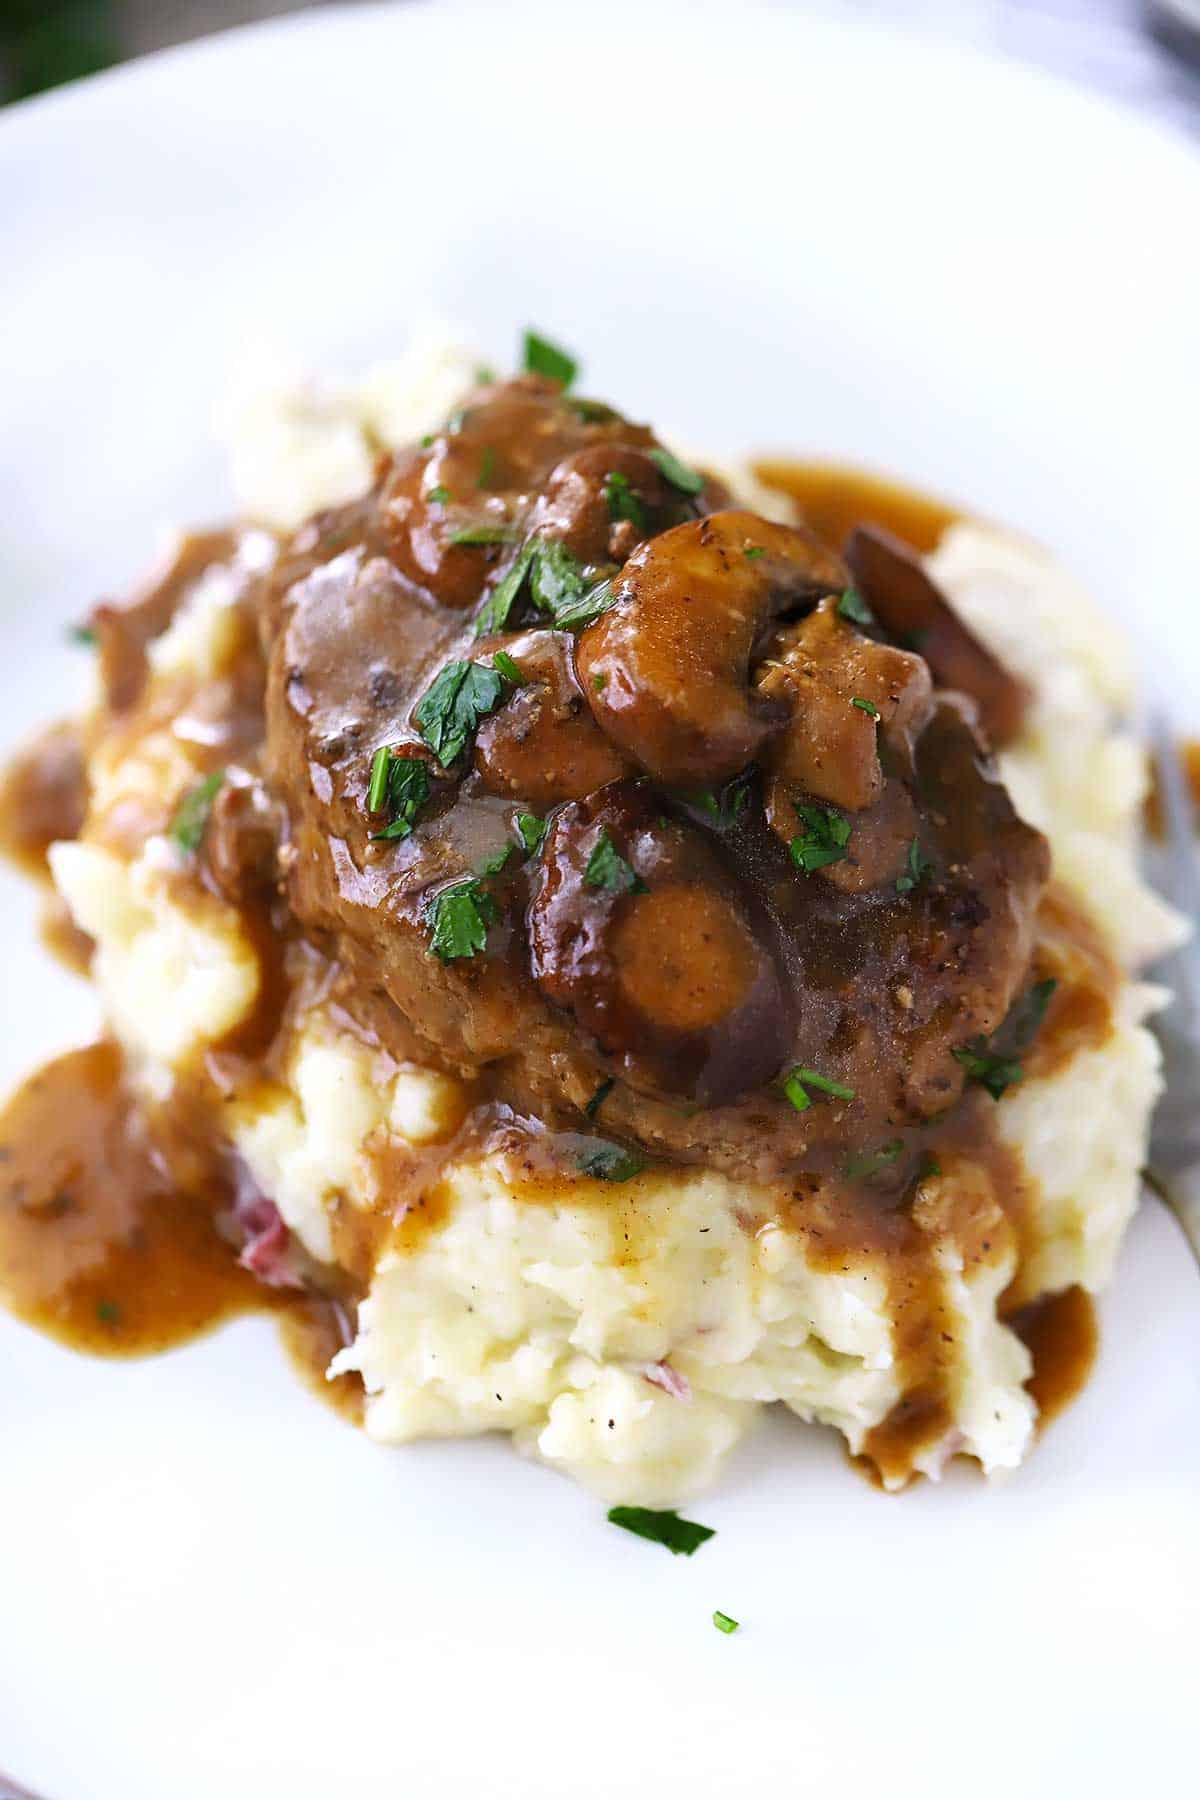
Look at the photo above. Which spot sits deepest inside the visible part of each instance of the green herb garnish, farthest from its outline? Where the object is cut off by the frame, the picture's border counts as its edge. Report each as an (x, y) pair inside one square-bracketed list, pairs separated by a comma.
[(724, 1623), (492, 865), (995, 1065), (917, 868), (83, 635), (688, 481), (487, 466), (622, 501), (852, 606), (533, 831), (456, 699), (682, 1537), (485, 375), (599, 681), (607, 868), (556, 578), (587, 608), (483, 534), (459, 918), (510, 670), (190, 819), (493, 614), (823, 840), (399, 787), (108, 1312), (798, 1081), (609, 1162), (863, 1168), (591, 412), (438, 496), (723, 809), (541, 357), (599, 1097), (753, 551), (867, 706)]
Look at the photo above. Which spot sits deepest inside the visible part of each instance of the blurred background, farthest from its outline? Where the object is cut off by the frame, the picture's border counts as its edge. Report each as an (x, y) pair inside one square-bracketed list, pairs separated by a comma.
[(1145, 53)]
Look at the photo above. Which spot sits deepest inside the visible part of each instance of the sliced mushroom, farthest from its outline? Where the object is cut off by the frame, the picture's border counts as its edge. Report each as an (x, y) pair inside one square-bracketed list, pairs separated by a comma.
[(667, 669), (543, 746), (657, 954), (908, 604)]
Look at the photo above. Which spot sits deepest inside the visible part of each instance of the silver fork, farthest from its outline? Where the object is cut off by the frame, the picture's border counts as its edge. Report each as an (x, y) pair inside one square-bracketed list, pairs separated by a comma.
[(1174, 1167)]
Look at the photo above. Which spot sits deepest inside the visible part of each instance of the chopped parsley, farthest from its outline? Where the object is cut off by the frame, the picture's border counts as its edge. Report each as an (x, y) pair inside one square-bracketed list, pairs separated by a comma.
[(996, 1066), (190, 818), (557, 585), (487, 467), (587, 608), (724, 1623), (688, 481), (532, 831), (493, 615), (482, 534), (874, 1162), (599, 1097), (753, 551), (916, 868), (609, 1162), (459, 695), (852, 606), (541, 357), (438, 496), (492, 865), (682, 1537), (485, 375), (867, 706), (510, 670), (823, 839), (607, 868), (723, 809), (459, 918), (622, 501), (108, 1312), (400, 787), (798, 1081), (83, 635), (599, 681)]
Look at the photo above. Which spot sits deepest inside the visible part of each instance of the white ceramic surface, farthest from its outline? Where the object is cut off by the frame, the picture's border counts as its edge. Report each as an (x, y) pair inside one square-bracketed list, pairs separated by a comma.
[(761, 231)]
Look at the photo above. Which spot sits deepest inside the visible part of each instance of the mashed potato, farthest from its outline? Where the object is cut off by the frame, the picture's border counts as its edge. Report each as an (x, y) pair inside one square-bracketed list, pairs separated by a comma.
[(631, 1336)]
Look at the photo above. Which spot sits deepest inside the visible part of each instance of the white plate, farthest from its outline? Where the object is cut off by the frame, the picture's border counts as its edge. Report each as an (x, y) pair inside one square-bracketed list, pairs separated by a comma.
[(758, 231)]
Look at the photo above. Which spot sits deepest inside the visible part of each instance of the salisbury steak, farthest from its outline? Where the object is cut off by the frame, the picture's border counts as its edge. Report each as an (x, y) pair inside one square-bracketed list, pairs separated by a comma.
[(621, 798)]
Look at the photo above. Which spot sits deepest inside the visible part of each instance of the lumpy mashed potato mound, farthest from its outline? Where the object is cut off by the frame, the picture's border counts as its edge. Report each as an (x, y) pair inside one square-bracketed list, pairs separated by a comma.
[(630, 1335)]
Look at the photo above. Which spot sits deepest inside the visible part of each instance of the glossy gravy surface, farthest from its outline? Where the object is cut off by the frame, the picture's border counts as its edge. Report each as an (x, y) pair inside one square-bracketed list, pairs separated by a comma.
[(114, 1248)]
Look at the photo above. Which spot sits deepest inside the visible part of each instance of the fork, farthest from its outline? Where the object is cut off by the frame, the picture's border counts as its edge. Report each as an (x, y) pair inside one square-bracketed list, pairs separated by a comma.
[(1174, 1166)]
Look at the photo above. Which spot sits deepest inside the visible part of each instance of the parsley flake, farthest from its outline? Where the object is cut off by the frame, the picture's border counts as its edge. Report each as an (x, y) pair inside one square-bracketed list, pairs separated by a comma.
[(874, 1162), (487, 467), (798, 1081), (867, 706), (996, 1066), (609, 1162), (492, 865), (83, 635), (108, 1312), (459, 917), (451, 707), (510, 670), (482, 534), (541, 357), (532, 831), (400, 787), (599, 1097), (607, 868), (917, 868), (823, 840), (493, 615), (682, 1537), (587, 608), (438, 496), (724, 1623), (753, 551), (852, 606), (622, 501), (688, 481), (190, 818)]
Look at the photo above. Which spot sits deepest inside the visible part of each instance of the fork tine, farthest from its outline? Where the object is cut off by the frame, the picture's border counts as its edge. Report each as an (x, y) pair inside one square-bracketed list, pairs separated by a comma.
[(1181, 871)]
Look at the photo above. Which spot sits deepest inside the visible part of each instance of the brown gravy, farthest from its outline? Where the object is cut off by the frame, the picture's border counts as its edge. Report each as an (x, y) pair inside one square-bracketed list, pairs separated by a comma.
[(111, 1250), (1188, 751), (1062, 1334), (835, 497)]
